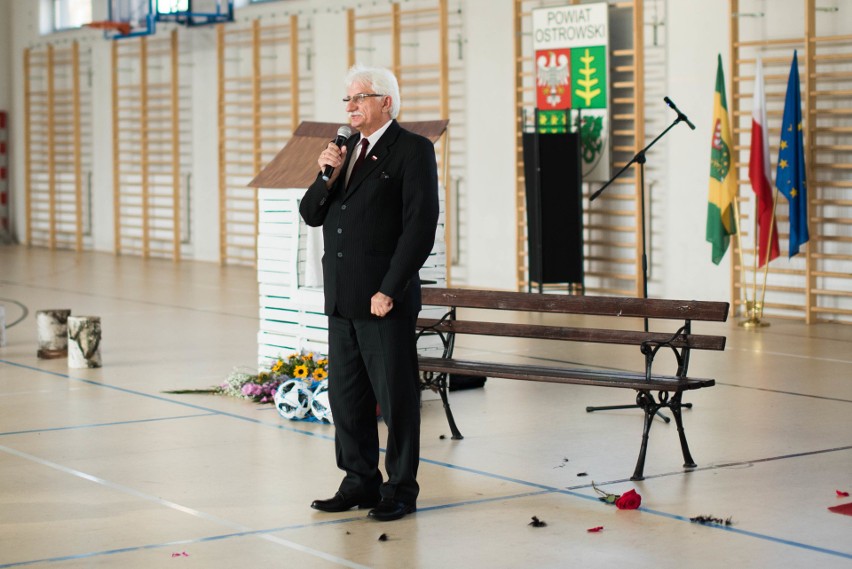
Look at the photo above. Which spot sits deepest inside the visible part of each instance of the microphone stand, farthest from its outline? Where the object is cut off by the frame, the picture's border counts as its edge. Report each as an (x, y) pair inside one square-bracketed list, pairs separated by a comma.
[(639, 158)]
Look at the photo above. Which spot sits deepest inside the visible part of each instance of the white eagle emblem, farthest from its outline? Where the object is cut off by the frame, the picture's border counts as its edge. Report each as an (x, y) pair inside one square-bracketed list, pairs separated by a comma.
[(553, 76)]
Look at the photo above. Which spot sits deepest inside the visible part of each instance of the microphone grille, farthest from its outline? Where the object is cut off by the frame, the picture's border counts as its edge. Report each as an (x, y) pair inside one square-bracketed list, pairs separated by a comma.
[(344, 131)]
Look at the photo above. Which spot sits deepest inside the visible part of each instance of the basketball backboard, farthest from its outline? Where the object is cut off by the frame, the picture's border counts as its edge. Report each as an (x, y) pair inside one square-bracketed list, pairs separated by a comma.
[(142, 15), (195, 12), (138, 14)]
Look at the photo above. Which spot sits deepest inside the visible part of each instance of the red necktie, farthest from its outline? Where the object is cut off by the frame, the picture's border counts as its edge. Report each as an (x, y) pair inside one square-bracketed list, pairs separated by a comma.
[(364, 144)]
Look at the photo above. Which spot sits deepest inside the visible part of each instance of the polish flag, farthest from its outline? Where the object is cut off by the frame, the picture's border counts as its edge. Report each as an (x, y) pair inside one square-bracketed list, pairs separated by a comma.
[(758, 172)]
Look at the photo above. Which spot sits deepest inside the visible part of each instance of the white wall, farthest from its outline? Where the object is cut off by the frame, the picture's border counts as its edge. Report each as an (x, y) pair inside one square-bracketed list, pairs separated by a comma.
[(697, 31), (205, 147), (491, 182), (103, 233), (330, 45), (700, 33)]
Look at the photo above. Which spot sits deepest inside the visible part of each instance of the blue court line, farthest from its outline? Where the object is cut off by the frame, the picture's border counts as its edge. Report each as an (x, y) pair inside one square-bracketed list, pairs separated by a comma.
[(733, 385), (443, 464), (360, 518), (712, 526), (93, 554), (725, 465), (248, 533), (111, 424), (181, 508), (168, 400), (782, 392), (133, 300), (748, 533)]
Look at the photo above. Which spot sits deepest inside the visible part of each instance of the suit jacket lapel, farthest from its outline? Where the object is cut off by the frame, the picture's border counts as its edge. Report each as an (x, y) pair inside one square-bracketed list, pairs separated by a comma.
[(374, 158)]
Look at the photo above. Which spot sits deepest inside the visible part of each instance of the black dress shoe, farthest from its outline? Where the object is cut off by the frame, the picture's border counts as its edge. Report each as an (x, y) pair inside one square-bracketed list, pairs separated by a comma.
[(340, 503), (389, 510)]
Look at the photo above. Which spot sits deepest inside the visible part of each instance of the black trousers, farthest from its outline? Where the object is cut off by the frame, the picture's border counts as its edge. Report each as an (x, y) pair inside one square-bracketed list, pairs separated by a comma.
[(375, 360)]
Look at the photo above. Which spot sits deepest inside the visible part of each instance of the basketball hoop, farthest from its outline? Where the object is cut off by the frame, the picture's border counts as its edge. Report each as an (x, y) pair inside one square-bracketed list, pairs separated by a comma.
[(122, 28)]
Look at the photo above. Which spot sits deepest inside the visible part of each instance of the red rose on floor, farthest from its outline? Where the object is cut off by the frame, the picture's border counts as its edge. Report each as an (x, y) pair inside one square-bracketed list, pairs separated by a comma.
[(630, 500)]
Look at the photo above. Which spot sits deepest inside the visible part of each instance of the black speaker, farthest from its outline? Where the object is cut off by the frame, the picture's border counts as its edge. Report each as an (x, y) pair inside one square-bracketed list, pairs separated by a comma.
[(554, 180)]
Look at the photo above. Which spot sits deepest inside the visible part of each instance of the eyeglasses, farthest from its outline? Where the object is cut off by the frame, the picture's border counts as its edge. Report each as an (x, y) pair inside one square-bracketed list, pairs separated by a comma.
[(359, 98)]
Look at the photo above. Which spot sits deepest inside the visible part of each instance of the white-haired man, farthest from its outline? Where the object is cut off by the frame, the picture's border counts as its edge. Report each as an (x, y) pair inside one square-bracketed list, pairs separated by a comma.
[(379, 212)]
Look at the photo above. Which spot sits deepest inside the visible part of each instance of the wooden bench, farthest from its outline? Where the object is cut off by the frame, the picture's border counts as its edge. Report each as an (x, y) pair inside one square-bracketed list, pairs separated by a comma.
[(435, 371)]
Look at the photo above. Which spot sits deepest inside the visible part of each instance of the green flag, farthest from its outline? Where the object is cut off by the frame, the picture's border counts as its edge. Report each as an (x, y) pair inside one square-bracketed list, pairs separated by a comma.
[(721, 223)]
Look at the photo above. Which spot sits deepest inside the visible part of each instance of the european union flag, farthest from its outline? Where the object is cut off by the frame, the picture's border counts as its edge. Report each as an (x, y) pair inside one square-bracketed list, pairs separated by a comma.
[(790, 174)]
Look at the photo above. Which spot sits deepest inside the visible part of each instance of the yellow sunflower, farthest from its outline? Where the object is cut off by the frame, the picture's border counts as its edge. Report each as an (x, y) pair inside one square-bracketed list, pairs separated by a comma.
[(320, 374), (300, 371), (277, 367)]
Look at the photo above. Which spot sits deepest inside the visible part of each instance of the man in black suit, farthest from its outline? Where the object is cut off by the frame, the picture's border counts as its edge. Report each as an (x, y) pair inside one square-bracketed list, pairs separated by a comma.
[(379, 213)]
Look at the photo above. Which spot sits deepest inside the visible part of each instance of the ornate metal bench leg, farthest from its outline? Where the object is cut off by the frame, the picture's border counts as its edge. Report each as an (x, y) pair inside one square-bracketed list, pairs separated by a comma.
[(645, 401), (675, 406), (442, 391)]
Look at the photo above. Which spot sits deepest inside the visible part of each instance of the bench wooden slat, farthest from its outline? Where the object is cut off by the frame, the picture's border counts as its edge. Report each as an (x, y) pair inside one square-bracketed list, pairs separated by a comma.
[(628, 337), (603, 378), (588, 305)]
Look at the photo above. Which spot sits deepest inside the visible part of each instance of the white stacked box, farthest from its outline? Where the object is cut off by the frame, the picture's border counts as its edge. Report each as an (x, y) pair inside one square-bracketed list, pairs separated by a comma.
[(291, 313), (291, 316)]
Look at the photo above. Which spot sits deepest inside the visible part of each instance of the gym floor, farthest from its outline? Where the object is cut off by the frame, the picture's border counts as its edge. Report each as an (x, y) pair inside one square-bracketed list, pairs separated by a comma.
[(102, 468)]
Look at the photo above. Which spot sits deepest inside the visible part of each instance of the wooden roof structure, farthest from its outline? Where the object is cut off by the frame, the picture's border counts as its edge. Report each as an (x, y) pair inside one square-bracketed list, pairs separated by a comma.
[(295, 166)]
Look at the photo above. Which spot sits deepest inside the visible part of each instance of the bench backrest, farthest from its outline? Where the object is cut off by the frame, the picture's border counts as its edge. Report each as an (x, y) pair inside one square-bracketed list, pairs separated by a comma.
[(710, 311), (686, 310)]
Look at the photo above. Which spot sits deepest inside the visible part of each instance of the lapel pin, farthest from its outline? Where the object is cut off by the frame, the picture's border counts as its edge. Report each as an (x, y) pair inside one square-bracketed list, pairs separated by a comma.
[(374, 158)]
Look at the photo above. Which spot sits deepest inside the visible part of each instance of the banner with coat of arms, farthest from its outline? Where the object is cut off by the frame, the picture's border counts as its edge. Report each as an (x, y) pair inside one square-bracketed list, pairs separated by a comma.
[(571, 45)]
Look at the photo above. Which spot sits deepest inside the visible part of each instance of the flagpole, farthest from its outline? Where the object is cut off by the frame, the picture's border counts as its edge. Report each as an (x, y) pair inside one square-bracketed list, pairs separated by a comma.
[(758, 174), (744, 284), (768, 252), (755, 313), (756, 247)]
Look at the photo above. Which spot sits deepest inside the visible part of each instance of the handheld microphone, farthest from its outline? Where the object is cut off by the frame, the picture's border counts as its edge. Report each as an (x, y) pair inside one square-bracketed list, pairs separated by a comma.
[(343, 133), (680, 115)]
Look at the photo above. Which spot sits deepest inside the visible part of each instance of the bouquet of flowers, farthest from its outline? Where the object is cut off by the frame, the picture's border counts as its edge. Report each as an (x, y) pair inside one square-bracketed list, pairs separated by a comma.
[(261, 387), (302, 366), (308, 372)]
